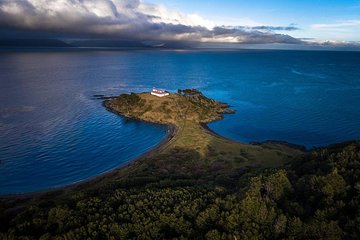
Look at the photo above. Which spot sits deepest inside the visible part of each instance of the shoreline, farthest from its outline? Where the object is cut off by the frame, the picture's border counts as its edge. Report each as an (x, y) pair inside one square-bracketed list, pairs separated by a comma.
[(170, 134), (285, 143), (212, 132)]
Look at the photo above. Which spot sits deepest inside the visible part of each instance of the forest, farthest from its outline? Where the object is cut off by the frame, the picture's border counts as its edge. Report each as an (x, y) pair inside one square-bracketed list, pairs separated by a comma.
[(316, 196)]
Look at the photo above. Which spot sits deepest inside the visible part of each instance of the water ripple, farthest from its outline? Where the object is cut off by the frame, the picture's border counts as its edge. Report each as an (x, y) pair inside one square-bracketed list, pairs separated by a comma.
[(54, 133)]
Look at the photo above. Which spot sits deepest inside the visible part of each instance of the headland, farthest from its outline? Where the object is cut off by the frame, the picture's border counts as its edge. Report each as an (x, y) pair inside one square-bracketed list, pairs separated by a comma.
[(187, 112), (197, 183)]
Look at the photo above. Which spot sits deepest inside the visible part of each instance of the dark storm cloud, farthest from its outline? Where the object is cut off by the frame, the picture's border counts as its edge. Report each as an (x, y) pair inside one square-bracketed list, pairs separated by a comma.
[(122, 19)]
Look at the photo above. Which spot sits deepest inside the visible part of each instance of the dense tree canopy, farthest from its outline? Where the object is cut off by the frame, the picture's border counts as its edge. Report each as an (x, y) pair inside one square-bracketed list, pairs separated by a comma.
[(316, 197)]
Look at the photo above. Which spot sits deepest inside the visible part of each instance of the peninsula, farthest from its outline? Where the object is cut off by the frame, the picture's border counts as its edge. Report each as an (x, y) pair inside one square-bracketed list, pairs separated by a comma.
[(187, 112), (199, 185)]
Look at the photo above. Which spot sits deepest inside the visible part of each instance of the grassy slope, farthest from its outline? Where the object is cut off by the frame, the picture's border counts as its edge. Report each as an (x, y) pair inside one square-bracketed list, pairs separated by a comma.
[(188, 114), (198, 184), (193, 153)]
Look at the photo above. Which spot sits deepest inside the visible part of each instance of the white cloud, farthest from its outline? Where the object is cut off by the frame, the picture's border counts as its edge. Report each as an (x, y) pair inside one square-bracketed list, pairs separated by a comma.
[(125, 19), (342, 30), (345, 25), (168, 16)]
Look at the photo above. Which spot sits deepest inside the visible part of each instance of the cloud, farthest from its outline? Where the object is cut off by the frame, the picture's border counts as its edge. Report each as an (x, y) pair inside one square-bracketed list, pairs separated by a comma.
[(264, 28), (340, 31), (344, 25), (124, 19), (276, 28), (334, 43), (242, 35)]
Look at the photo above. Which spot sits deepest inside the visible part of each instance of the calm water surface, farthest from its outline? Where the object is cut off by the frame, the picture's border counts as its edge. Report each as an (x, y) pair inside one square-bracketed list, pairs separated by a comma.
[(54, 132)]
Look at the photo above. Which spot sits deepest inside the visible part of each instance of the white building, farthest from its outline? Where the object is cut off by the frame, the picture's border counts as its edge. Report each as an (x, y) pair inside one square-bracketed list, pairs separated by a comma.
[(159, 92)]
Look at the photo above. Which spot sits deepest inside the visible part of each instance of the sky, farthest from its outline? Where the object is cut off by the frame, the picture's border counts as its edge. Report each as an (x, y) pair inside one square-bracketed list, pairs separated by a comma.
[(316, 22), (321, 19)]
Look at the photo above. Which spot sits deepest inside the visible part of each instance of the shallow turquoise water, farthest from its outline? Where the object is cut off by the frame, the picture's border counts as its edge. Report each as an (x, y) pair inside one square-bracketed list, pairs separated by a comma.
[(54, 133)]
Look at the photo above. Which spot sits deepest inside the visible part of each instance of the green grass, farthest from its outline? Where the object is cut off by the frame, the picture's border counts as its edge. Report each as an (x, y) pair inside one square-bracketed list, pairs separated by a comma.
[(192, 153), (187, 114), (199, 185)]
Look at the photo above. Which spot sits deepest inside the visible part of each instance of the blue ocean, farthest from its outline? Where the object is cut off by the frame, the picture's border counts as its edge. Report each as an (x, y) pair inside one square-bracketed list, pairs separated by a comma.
[(54, 132)]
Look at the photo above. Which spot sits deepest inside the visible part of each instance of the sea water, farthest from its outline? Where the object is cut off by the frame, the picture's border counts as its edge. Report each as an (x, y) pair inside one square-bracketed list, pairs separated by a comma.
[(54, 132)]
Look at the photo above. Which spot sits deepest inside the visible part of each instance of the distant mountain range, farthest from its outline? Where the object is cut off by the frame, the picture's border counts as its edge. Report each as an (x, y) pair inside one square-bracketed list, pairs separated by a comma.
[(32, 43), (99, 43), (109, 43)]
